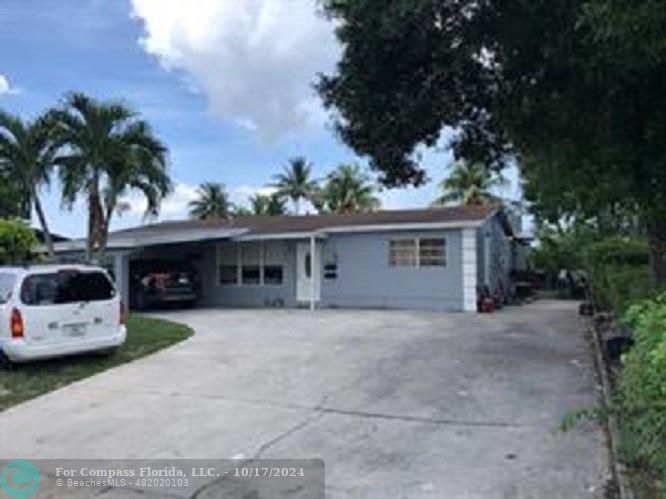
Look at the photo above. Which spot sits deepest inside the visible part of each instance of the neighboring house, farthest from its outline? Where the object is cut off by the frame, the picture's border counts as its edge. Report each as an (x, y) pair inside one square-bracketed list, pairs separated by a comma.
[(432, 259), (57, 238)]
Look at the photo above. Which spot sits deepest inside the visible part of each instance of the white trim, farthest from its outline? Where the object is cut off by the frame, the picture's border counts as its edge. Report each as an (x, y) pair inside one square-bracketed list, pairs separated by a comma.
[(469, 269), (278, 235), (242, 234), (403, 226), (322, 232), (146, 240)]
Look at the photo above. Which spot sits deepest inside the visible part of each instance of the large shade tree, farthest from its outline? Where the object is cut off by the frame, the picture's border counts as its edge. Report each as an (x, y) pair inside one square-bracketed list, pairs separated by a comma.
[(469, 184), (572, 90), (27, 158), (347, 189), (212, 201), (295, 182), (107, 151)]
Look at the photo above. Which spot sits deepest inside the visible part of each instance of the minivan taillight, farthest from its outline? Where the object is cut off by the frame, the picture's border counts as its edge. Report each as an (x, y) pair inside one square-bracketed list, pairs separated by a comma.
[(121, 313), (16, 324)]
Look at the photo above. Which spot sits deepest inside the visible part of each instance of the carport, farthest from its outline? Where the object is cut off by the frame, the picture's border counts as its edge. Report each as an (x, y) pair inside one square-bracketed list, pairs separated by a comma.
[(126, 248)]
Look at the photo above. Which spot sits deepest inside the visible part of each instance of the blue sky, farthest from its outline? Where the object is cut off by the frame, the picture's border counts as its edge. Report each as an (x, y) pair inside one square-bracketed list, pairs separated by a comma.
[(225, 84)]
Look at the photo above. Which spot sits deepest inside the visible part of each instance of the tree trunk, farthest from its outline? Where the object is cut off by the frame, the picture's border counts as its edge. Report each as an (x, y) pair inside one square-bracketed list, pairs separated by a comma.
[(98, 230), (91, 230), (104, 232), (48, 240), (95, 220), (657, 245)]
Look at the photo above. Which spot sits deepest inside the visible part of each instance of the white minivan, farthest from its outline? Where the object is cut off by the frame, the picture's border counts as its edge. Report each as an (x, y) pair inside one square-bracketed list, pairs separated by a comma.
[(54, 310)]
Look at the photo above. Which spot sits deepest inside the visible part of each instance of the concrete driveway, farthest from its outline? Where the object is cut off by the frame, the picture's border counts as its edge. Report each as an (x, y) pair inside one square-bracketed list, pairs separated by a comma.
[(398, 404)]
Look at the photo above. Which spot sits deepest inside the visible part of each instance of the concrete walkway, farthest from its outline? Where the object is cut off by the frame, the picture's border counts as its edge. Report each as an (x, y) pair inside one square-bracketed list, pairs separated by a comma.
[(398, 404)]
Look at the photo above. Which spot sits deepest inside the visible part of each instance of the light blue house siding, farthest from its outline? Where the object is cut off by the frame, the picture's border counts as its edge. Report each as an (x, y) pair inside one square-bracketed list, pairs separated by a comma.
[(366, 279), (353, 265), (494, 255), (242, 295)]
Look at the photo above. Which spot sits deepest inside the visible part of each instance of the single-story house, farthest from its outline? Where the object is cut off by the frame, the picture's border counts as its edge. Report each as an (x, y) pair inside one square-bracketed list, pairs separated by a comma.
[(415, 259)]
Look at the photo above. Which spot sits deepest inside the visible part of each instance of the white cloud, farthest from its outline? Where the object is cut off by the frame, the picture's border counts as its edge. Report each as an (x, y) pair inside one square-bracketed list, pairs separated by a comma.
[(5, 86), (255, 59)]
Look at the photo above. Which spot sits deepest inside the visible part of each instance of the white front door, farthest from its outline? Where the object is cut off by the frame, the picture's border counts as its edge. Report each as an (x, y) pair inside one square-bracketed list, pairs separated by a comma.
[(305, 272)]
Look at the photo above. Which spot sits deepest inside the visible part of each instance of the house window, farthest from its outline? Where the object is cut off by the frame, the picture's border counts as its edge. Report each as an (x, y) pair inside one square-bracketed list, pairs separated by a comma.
[(307, 263), (432, 252), (228, 260), (251, 275), (250, 264), (228, 274), (426, 252), (273, 256), (402, 253), (273, 274)]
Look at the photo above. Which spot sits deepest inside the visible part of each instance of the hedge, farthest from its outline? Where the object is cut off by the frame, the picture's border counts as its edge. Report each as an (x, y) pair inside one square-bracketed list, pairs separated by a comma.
[(619, 273), (641, 394)]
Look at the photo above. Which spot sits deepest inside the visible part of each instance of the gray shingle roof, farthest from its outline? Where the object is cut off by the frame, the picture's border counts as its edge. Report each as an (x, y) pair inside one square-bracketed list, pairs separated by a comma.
[(285, 224)]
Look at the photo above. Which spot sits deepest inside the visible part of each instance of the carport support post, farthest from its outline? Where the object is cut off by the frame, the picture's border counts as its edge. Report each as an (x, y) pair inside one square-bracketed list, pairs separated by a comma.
[(313, 275)]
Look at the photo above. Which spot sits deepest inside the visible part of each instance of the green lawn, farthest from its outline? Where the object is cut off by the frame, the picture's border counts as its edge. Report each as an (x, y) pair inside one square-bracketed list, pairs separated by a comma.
[(145, 335)]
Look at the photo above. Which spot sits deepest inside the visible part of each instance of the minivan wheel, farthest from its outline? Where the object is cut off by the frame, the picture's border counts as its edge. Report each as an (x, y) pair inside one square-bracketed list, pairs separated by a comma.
[(5, 363)]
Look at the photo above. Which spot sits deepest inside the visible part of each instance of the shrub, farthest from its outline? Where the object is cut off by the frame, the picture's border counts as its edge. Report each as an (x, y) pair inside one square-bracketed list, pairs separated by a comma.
[(641, 394), (17, 241), (619, 272), (561, 249)]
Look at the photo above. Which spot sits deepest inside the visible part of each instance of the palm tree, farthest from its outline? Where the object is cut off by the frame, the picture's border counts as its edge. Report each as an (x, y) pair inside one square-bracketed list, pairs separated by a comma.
[(212, 202), (109, 151), (347, 190), (27, 157), (272, 205), (469, 184), (295, 182)]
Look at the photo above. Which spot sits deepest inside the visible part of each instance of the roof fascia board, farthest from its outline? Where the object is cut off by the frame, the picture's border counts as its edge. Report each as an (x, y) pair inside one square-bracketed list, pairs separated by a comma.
[(405, 226), (244, 234), (140, 241), (278, 235), (363, 228)]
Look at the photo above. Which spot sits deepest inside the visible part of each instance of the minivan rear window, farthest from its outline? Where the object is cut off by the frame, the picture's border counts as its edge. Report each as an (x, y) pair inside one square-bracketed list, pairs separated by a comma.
[(7, 282), (66, 287)]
